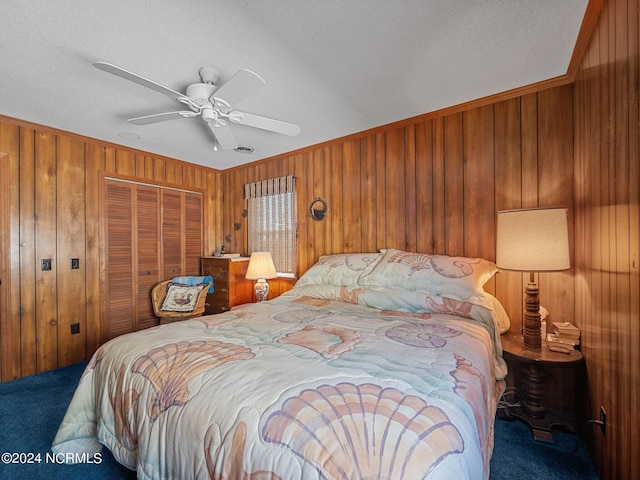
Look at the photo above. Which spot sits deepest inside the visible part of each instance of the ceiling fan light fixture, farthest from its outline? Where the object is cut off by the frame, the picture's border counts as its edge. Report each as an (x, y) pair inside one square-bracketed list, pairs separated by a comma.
[(244, 149)]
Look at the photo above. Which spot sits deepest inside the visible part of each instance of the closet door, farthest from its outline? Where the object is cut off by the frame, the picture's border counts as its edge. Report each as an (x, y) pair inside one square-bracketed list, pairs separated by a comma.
[(120, 250), (194, 232), (182, 234), (172, 228), (151, 234), (148, 252)]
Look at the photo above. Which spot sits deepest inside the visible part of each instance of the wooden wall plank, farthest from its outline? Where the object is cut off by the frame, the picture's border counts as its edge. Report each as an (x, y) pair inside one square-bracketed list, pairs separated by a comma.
[(28, 330), (5, 275), (395, 183), (478, 180), (351, 194), (70, 244), (46, 222), (94, 163), (125, 162), (306, 191), (508, 196), (10, 324), (368, 197), (410, 202), (336, 187), (439, 207), (424, 175), (381, 198), (453, 186)]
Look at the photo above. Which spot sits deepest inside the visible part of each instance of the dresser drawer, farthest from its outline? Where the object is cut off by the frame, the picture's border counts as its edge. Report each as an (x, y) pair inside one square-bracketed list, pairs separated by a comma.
[(220, 290), (215, 305), (218, 270)]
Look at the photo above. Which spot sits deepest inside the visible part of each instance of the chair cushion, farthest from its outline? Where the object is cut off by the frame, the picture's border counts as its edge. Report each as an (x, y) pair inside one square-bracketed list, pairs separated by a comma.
[(182, 298)]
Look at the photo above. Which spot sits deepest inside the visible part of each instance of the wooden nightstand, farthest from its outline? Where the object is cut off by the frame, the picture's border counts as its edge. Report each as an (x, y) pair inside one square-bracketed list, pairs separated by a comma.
[(230, 288), (533, 365)]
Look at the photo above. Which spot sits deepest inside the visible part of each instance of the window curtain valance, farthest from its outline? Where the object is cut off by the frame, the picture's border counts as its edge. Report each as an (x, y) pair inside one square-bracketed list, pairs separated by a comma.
[(273, 186)]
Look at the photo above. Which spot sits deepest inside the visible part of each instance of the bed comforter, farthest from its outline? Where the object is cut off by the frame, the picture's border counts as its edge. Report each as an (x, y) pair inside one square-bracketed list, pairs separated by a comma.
[(297, 387)]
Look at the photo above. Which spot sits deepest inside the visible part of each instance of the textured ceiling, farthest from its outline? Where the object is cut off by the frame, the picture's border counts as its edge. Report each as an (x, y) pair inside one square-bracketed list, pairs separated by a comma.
[(334, 67)]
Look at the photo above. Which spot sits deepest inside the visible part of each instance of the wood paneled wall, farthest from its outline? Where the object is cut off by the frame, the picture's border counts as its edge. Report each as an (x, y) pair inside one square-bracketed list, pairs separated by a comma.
[(433, 186), (52, 212), (607, 132)]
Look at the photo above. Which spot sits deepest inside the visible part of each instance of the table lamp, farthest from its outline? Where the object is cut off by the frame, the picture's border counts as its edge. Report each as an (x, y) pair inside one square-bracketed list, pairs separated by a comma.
[(532, 240), (261, 268)]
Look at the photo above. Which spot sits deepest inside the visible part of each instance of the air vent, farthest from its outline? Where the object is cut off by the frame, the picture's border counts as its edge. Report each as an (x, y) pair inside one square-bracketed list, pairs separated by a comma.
[(244, 149)]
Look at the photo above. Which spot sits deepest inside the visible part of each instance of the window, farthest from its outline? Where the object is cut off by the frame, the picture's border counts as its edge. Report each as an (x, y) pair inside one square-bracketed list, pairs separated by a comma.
[(272, 225)]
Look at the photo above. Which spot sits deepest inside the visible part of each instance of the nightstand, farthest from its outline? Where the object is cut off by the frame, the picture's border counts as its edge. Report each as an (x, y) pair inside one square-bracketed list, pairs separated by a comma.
[(230, 287), (532, 365)]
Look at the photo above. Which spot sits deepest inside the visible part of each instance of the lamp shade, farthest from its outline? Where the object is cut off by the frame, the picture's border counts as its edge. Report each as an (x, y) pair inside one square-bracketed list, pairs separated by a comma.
[(533, 240), (261, 266)]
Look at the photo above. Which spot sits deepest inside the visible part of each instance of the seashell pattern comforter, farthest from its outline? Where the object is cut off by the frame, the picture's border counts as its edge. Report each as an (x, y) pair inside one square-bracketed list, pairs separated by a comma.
[(297, 387)]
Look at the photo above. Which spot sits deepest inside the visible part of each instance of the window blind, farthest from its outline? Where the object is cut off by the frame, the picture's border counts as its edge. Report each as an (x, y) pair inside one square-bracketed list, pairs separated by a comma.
[(272, 223)]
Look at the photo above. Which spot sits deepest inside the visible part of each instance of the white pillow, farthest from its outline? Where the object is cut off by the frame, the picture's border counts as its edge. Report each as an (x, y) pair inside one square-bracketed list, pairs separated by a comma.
[(504, 322)]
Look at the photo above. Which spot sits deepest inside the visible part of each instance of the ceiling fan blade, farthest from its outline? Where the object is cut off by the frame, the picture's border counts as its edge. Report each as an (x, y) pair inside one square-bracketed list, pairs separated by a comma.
[(243, 83), (223, 134), (127, 75), (264, 123), (161, 117)]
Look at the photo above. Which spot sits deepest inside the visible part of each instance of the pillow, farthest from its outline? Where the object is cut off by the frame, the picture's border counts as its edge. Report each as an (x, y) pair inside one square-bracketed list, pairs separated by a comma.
[(504, 322), (340, 269), (459, 278), (182, 298)]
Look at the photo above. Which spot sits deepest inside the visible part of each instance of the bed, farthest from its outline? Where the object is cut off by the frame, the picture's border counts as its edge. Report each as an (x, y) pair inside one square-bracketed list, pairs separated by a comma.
[(381, 365)]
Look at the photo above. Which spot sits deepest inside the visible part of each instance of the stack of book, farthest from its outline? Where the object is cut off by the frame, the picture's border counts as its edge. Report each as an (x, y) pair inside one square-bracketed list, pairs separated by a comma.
[(564, 336)]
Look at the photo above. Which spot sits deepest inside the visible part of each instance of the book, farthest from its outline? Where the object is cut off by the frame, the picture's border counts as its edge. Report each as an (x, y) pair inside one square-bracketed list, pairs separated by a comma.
[(566, 330), (561, 343), (229, 255)]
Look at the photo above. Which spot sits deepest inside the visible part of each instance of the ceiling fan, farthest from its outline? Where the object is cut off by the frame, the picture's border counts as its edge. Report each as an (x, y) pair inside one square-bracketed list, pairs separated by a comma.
[(213, 103)]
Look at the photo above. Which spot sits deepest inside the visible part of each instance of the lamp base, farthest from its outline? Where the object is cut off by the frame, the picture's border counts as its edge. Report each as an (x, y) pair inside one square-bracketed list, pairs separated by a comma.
[(262, 289), (532, 324)]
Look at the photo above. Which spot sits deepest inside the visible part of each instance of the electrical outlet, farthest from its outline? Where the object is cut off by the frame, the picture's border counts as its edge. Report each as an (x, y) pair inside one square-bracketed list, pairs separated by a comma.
[(45, 264), (603, 420), (75, 328), (75, 263)]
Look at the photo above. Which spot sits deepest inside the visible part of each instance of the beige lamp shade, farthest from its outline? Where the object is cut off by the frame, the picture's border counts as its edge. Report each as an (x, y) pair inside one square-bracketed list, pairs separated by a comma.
[(261, 266), (533, 240)]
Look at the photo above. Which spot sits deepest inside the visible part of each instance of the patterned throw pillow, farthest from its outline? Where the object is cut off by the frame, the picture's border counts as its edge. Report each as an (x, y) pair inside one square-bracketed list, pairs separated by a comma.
[(182, 298), (454, 277)]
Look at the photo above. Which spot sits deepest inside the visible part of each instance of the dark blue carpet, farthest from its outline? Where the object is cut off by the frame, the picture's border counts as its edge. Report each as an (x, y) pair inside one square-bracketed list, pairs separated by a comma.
[(32, 408)]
